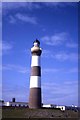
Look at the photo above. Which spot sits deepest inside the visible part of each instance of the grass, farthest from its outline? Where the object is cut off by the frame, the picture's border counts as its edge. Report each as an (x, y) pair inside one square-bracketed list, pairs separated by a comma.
[(22, 112)]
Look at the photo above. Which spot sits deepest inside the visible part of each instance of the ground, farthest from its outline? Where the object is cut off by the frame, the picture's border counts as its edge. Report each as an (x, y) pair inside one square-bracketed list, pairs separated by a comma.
[(22, 112)]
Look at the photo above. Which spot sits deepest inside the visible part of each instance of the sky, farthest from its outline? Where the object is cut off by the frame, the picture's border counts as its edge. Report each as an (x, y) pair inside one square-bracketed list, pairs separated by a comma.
[(55, 25)]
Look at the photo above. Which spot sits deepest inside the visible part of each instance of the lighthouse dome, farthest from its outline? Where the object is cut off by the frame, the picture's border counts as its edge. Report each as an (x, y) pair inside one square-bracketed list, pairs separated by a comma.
[(36, 43)]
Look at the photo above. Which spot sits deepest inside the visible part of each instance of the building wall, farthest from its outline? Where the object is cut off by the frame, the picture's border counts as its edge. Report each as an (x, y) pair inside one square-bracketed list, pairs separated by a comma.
[(19, 104)]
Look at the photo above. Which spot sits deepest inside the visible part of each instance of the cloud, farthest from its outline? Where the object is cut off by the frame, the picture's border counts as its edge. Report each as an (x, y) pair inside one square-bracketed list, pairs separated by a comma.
[(46, 53), (72, 45), (24, 70), (5, 47), (19, 17), (57, 4), (12, 19), (8, 6), (21, 92), (73, 70), (56, 39), (43, 29), (13, 5), (66, 56), (31, 5), (59, 70), (61, 93), (50, 70), (59, 39), (26, 18), (0, 90), (17, 68), (60, 56), (14, 1), (0, 48), (0, 16), (40, 0)]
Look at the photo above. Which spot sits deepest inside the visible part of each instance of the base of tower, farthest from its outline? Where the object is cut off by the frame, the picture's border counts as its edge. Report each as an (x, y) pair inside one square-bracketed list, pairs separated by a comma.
[(35, 98)]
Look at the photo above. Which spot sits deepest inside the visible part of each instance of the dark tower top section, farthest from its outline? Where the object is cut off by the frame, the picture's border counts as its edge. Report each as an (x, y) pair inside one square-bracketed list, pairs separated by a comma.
[(36, 50), (37, 41)]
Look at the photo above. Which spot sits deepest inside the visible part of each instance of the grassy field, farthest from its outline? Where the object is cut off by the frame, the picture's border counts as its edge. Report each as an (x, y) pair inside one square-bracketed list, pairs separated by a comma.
[(0, 113), (21, 112)]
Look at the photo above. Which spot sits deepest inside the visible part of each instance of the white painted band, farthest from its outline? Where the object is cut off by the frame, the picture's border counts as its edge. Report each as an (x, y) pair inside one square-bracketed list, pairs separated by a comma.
[(35, 81), (35, 61)]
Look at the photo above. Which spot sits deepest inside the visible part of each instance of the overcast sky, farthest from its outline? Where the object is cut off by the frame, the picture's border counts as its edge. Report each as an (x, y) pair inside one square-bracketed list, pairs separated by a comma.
[(55, 26)]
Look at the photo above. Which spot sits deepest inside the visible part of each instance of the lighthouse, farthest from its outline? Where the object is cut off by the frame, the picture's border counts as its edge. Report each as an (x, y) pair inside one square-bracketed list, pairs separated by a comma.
[(35, 77)]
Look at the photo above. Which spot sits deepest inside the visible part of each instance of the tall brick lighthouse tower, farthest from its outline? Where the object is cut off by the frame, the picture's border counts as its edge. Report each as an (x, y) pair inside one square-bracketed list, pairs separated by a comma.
[(35, 78)]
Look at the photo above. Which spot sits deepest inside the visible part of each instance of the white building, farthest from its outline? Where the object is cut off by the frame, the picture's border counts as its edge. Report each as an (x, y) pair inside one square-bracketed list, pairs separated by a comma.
[(18, 104), (6, 104), (63, 108), (48, 106)]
